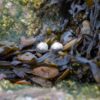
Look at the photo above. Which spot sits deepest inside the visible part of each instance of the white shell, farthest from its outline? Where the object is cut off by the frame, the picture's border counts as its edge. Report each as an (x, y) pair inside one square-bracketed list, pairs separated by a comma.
[(42, 47), (56, 46)]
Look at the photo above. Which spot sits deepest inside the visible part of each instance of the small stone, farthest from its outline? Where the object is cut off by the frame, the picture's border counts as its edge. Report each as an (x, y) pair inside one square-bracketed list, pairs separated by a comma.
[(27, 41), (9, 92), (2, 76), (42, 47), (45, 72), (1, 50), (20, 98), (27, 58), (56, 46), (28, 98), (86, 27)]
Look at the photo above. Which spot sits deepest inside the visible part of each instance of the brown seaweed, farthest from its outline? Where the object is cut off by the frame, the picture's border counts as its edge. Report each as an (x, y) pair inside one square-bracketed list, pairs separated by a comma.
[(63, 21)]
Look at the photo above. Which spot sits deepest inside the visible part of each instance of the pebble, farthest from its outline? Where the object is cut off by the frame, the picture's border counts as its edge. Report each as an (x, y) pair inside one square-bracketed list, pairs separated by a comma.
[(9, 92), (28, 98), (42, 47), (24, 98), (1, 50), (56, 46), (86, 27), (27, 41), (20, 98)]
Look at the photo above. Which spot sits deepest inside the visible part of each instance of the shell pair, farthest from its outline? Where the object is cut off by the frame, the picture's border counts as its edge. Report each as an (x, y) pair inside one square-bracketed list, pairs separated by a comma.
[(43, 47)]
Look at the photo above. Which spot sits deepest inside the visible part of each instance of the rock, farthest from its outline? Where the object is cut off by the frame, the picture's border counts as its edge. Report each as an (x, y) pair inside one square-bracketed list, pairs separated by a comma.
[(46, 72), (86, 27), (1, 50), (24, 42), (56, 46), (2, 76), (42, 47), (9, 92), (27, 57)]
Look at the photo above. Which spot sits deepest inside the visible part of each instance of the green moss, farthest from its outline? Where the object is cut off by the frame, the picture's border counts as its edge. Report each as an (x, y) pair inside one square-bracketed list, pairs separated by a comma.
[(80, 91)]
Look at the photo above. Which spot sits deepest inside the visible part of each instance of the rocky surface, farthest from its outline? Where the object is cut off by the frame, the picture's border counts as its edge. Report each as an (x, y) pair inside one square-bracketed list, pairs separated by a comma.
[(33, 94)]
